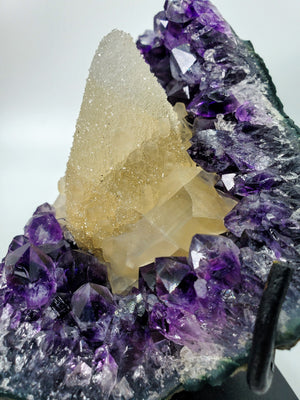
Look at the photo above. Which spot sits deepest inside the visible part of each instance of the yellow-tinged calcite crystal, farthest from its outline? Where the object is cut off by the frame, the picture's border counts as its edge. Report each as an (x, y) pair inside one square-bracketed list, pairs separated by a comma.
[(131, 192)]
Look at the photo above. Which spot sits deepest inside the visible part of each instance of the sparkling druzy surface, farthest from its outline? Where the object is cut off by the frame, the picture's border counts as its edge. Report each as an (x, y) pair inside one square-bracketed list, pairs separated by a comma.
[(190, 319), (132, 193)]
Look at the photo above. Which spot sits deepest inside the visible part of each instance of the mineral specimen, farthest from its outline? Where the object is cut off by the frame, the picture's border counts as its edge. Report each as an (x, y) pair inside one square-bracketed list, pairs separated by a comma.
[(190, 319), (129, 181)]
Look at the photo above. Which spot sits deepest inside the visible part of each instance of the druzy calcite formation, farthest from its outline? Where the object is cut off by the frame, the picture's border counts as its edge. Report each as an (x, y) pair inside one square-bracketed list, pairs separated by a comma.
[(189, 320), (132, 193)]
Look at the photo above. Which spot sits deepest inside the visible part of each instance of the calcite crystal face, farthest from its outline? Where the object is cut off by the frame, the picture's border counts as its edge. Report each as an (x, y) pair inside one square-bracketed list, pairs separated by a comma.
[(189, 319), (132, 193)]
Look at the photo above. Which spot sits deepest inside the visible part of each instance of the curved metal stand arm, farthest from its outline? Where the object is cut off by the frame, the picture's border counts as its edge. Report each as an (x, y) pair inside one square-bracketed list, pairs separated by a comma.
[(261, 359)]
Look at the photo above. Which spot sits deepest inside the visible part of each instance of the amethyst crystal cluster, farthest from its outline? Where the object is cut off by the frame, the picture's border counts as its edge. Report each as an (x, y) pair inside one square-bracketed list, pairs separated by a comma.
[(63, 330), (65, 335), (240, 130)]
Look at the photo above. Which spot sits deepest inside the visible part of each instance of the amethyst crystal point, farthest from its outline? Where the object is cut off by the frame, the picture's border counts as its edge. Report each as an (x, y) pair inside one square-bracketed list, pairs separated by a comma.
[(267, 218), (182, 328), (106, 371), (77, 268), (43, 227), (182, 61), (212, 105), (45, 208), (178, 292), (183, 300), (147, 278), (18, 241), (179, 11), (170, 273), (93, 308), (30, 274), (209, 149), (217, 258), (255, 182)]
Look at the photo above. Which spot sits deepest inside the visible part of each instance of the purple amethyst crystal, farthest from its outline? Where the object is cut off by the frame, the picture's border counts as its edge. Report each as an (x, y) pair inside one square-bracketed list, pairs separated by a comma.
[(43, 228), (182, 328), (30, 274), (268, 218), (44, 208), (179, 11), (180, 295), (93, 308), (255, 182), (18, 241), (174, 281), (76, 267), (212, 105), (209, 150), (147, 278), (106, 371), (216, 258)]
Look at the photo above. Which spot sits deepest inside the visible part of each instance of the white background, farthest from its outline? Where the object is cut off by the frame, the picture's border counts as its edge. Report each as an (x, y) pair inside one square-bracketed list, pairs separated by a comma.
[(46, 47)]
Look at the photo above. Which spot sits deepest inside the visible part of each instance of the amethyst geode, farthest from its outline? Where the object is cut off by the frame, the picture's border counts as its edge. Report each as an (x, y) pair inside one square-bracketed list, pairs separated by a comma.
[(64, 334), (240, 130)]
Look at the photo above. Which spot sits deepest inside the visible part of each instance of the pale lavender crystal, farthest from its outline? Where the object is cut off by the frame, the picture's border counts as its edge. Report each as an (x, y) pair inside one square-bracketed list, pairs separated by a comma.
[(150, 40), (246, 112), (80, 375), (184, 64)]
